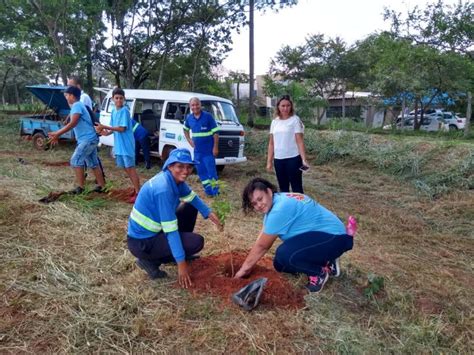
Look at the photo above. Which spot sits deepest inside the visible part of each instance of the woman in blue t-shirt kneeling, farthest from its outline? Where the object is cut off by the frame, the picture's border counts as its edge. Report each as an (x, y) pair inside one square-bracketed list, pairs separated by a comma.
[(313, 237)]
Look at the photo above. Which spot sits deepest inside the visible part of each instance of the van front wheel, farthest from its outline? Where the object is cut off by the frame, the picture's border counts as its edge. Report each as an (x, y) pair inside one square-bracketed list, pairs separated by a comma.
[(220, 168)]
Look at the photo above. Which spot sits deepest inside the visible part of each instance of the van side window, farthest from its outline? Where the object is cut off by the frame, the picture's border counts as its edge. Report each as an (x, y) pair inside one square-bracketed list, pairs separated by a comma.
[(176, 111)]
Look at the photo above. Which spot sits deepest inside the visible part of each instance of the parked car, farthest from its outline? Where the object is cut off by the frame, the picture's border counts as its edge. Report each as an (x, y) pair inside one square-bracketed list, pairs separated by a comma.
[(452, 122)]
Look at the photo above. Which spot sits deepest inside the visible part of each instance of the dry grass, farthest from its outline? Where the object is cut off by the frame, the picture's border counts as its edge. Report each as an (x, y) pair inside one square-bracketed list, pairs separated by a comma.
[(68, 283)]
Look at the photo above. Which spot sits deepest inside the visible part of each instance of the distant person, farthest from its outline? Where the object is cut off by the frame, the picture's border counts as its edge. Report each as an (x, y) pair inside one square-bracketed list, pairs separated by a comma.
[(205, 141), (161, 224), (124, 142), (85, 98), (286, 150), (87, 140), (313, 238), (142, 141)]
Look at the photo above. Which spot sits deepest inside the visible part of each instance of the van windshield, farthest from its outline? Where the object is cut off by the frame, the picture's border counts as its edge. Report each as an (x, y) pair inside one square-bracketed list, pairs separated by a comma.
[(222, 111)]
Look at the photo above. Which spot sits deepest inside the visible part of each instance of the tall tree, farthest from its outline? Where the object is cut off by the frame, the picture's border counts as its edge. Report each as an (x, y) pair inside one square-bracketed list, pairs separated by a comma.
[(446, 28)]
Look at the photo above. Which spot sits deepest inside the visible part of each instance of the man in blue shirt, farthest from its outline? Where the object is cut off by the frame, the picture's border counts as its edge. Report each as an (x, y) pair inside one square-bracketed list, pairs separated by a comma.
[(86, 137), (142, 141), (205, 141)]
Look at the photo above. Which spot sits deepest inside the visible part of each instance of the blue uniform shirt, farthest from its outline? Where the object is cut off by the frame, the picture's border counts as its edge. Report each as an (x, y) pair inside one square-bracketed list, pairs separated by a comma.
[(124, 143), (155, 210), (203, 130), (139, 132), (294, 213), (84, 130)]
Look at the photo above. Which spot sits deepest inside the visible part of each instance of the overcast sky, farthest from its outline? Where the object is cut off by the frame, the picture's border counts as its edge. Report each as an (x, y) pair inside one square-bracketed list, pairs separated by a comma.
[(349, 19)]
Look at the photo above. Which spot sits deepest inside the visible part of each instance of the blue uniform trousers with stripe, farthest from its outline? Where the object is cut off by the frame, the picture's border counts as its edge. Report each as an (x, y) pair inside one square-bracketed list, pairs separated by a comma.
[(206, 169), (157, 249)]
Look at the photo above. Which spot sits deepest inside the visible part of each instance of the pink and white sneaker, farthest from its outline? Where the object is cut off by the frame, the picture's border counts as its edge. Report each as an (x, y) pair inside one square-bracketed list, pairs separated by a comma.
[(351, 227)]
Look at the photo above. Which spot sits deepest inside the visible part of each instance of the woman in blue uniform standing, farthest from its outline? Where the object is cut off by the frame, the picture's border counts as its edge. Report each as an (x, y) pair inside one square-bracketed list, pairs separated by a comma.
[(313, 237), (161, 224), (205, 141)]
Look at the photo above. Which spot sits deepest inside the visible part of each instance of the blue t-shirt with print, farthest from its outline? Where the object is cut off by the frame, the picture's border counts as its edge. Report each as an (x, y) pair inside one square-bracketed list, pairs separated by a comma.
[(84, 131), (124, 143), (293, 214), (203, 130)]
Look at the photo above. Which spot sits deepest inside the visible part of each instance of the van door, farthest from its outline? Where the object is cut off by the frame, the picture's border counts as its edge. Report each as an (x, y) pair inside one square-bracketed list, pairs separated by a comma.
[(171, 129), (148, 113)]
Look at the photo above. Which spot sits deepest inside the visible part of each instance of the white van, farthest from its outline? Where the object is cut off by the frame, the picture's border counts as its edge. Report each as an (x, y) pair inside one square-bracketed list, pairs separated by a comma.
[(163, 113)]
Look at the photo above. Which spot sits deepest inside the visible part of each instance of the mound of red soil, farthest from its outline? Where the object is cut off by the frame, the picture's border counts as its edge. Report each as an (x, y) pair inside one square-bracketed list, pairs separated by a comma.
[(56, 163), (213, 275), (122, 195)]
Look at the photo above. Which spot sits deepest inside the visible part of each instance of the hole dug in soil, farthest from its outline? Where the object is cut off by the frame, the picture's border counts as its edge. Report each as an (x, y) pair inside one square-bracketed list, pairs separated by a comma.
[(212, 275)]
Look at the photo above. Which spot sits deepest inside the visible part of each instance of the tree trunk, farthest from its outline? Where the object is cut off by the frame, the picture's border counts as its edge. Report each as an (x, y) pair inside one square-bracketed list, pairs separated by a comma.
[(89, 79), (250, 121), (404, 105), (416, 125), (344, 103), (238, 97), (468, 114)]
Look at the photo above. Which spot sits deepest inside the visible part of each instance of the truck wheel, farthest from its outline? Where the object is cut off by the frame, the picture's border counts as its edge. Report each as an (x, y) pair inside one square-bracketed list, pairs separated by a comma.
[(453, 127), (166, 152), (39, 141)]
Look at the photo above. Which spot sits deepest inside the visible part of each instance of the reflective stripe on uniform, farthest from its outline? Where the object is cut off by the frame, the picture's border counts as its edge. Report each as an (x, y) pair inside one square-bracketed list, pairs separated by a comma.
[(135, 126), (206, 182), (144, 221), (189, 197), (202, 134), (215, 129), (169, 227)]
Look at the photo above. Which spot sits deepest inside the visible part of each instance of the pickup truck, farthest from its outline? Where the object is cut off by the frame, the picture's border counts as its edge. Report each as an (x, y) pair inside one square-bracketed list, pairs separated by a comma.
[(36, 127)]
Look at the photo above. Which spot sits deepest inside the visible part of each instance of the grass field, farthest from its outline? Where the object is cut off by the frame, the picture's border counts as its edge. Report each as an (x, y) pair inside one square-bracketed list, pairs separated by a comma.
[(69, 284)]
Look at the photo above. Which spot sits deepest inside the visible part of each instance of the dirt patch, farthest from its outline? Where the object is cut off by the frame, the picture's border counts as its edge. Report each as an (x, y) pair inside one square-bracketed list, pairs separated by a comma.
[(122, 195), (56, 163), (212, 275)]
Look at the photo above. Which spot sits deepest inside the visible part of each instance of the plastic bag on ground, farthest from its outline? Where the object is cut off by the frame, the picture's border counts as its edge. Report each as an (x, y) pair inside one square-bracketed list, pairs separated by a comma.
[(248, 296)]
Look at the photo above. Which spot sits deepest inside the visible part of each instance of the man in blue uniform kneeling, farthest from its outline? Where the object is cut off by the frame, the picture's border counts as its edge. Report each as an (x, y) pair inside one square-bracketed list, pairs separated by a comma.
[(161, 224)]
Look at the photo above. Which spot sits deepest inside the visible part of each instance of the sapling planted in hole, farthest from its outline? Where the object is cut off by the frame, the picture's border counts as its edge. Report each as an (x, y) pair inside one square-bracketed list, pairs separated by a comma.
[(222, 208)]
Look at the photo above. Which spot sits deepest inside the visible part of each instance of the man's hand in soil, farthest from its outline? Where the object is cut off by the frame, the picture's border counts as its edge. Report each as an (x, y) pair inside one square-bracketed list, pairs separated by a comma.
[(183, 275), (214, 219)]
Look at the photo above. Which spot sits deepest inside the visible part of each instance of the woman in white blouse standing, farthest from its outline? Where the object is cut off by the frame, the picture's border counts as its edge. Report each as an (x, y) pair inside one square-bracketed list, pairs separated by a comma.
[(286, 149)]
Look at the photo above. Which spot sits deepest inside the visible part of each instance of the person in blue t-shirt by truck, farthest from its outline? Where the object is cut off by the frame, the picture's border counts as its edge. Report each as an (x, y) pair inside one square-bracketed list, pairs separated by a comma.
[(142, 141), (161, 224), (313, 237), (205, 141), (87, 141), (124, 142)]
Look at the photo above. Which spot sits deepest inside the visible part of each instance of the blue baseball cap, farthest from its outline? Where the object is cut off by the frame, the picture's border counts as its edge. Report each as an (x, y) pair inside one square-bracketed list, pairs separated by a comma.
[(181, 155)]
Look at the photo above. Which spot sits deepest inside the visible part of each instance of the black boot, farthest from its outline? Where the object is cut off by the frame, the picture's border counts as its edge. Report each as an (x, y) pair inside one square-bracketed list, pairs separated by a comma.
[(151, 268)]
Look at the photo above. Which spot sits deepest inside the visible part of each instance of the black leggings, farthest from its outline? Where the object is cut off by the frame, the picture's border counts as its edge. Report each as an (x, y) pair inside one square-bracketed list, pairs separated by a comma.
[(288, 172), (157, 249)]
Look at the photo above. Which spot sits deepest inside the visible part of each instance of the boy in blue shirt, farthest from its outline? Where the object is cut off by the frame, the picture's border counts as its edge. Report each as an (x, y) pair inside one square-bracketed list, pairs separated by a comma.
[(205, 141), (141, 141), (124, 142), (86, 137)]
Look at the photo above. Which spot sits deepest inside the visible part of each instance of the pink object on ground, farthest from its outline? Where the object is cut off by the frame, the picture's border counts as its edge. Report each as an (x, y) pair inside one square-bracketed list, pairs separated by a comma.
[(351, 227), (133, 198)]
